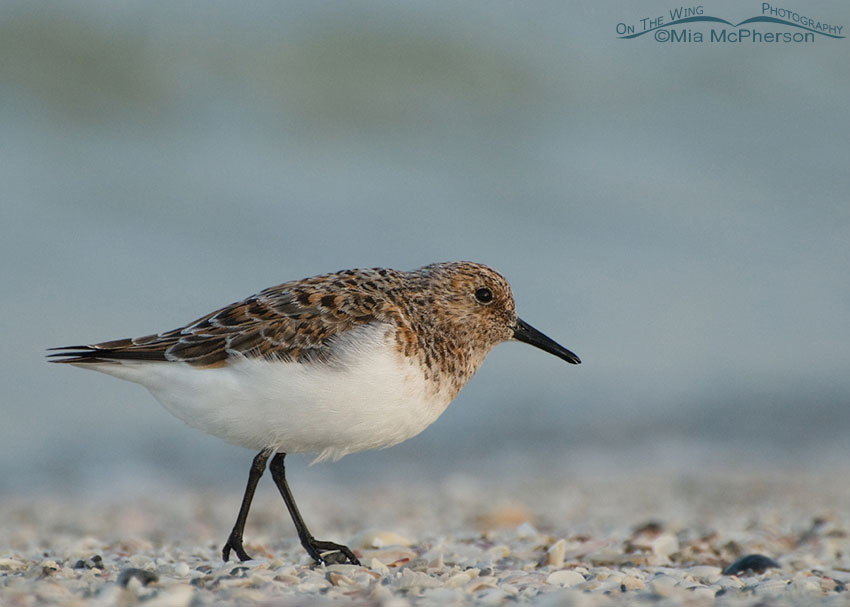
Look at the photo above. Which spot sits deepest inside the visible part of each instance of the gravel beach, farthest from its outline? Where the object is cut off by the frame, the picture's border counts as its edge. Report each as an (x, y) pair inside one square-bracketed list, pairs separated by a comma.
[(602, 538)]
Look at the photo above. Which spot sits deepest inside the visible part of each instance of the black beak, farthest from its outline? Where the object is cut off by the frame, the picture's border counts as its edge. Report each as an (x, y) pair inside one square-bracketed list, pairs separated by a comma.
[(525, 332)]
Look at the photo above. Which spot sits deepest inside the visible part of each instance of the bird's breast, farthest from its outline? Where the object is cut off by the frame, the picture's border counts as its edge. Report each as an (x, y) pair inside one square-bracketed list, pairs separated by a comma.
[(367, 395)]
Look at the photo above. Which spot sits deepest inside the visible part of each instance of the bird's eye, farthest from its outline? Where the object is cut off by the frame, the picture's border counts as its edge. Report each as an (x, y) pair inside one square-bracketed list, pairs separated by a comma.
[(484, 295)]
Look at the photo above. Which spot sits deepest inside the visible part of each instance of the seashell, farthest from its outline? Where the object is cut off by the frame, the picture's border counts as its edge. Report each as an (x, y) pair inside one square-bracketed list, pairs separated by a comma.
[(378, 539), (704, 573), (457, 580), (771, 587), (555, 554), (565, 578), (664, 545)]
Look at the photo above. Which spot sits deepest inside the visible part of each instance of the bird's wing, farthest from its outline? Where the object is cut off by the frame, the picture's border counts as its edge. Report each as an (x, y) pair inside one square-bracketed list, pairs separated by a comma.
[(294, 321)]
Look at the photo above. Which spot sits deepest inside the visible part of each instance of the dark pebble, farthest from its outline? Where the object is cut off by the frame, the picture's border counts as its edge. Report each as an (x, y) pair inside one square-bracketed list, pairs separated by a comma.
[(650, 527), (239, 572), (203, 581), (95, 562), (145, 577), (757, 563)]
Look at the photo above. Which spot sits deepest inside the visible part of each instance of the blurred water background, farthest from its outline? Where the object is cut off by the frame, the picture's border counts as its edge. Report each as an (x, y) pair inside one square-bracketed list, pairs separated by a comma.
[(677, 214)]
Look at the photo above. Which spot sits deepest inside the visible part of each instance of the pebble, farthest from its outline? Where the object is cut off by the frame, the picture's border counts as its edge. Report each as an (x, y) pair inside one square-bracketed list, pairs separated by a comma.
[(631, 582), (608, 557), (9, 564), (377, 565), (702, 592), (175, 596), (771, 587), (555, 554), (378, 539), (665, 585), (755, 563), (665, 545), (565, 578), (704, 573), (457, 580), (526, 530), (143, 576)]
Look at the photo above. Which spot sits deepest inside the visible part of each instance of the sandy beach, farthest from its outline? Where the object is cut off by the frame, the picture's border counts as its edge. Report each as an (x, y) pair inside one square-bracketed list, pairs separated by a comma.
[(640, 537)]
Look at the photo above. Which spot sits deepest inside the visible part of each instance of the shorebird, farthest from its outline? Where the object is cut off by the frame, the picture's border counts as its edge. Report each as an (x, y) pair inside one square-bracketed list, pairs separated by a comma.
[(331, 365)]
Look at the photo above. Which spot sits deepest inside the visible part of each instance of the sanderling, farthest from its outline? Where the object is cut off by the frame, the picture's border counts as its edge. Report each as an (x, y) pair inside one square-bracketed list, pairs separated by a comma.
[(331, 365)]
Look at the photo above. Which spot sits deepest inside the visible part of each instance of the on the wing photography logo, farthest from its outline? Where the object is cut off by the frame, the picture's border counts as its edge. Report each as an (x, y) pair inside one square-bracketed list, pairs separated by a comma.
[(692, 25)]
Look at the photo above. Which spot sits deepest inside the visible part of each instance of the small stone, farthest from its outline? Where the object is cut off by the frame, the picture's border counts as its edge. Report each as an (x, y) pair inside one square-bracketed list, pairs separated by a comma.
[(181, 569), (457, 580), (565, 578), (771, 587), (286, 578), (610, 556), (630, 582), (492, 596), (509, 589), (526, 530), (415, 579), (379, 539), (313, 585), (665, 585), (650, 528), (555, 554), (143, 576), (730, 583), (392, 557), (240, 572), (805, 585), (757, 563), (482, 582), (703, 592), (261, 576), (49, 567), (140, 561), (377, 565), (179, 595), (664, 545), (704, 573), (437, 565), (339, 579)]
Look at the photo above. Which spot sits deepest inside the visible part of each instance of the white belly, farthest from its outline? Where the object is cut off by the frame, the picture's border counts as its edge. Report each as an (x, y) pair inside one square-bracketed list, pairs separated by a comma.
[(369, 397)]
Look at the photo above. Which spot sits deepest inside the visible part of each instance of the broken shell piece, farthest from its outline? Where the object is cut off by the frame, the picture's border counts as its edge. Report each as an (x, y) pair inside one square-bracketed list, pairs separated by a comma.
[(379, 539)]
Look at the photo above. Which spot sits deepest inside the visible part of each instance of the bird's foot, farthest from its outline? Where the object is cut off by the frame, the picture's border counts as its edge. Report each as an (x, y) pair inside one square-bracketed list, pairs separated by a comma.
[(329, 553), (234, 542)]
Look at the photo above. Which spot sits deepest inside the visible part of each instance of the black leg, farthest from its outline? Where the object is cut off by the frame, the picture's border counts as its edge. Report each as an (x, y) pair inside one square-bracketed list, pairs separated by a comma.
[(322, 552), (234, 542)]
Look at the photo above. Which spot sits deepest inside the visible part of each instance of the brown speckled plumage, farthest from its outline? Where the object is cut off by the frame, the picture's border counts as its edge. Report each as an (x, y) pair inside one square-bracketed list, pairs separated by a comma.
[(438, 322)]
